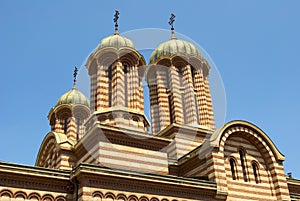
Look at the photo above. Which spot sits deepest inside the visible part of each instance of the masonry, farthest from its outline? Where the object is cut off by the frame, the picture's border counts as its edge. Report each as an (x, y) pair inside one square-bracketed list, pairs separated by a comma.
[(105, 148)]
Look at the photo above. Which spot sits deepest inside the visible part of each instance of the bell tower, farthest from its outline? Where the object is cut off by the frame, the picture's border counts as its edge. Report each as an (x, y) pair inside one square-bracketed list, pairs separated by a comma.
[(116, 70), (179, 86)]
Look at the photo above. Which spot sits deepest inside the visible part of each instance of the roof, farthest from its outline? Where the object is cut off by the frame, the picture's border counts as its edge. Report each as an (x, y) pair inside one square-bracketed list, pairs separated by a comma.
[(73, 97), (176, 47), (117, 41)]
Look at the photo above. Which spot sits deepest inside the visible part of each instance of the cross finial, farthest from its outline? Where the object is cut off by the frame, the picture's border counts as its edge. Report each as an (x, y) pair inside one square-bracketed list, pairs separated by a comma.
[(75, 76), (171, 22), (172, 19), (116, 17)]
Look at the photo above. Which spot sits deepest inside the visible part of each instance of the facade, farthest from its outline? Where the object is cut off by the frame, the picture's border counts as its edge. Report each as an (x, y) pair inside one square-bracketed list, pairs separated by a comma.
[(102, 148)]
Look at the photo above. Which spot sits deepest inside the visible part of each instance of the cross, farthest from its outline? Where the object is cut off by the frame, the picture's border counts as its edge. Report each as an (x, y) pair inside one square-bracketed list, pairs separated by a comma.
[(172, 19), (75, 74), (116, 17)]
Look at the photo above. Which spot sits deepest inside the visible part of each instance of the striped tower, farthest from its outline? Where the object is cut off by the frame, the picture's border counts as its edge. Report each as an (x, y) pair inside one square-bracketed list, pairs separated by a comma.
[(189, 96), (187, 90), (116, 69)]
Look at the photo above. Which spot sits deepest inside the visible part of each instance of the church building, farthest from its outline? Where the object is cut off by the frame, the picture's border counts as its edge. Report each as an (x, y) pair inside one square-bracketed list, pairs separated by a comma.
[(104, 147)]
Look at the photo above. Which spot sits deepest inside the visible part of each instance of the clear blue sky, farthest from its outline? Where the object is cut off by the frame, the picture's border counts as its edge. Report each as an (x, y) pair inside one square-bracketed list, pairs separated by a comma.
[(254, 44)]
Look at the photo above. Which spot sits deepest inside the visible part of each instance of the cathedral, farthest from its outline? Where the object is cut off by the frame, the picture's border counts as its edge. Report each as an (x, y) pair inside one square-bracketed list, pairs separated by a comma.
[(105, 148)]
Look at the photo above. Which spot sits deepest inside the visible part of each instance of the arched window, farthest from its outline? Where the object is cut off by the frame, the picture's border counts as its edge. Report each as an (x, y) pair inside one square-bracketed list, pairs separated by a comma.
[(110, 86), (197, 109), (243, 163), (180, 74), (65, 125), (127, 76), (255, 172), (78, 123), (233, 168)]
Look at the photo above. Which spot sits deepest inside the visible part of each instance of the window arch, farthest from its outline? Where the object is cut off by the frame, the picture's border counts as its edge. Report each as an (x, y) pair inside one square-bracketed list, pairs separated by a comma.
[(243, 163), (65, 125), (255, 172), (109, 74), (233, 168)]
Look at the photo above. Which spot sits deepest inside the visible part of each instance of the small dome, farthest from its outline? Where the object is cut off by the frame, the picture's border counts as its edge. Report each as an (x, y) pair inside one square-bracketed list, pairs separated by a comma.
[(73, 97), (116, 41), (175, 47)]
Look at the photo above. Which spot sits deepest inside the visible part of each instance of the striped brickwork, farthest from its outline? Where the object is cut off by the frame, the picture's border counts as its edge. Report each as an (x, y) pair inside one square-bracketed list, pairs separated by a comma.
[(81, 129), (102, 90), (117, 94), (163, 104), (72, 129), (58, 126), (189, 96), (184, 145), (154, 107), (264, 189), (271, 183), (118, 98), (95, 194), (93, 91), (176, 98), (135, 96), (53, 157), (21, 194), (210, 113), (203, 111), (125, 157)]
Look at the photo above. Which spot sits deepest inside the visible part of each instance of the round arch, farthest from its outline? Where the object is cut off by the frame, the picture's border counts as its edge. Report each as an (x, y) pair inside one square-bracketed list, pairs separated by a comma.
[(220, 135)]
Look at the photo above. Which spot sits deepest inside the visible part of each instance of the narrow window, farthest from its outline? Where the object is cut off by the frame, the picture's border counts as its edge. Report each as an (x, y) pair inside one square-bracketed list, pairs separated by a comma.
[(167, 79), (233, 169), (183, 108), (180, 76), (110, 86), (197, 111), (65, 125), (170, 108), (193, 75), (242, 157), (77, 128), (125, 69), (255, 172)]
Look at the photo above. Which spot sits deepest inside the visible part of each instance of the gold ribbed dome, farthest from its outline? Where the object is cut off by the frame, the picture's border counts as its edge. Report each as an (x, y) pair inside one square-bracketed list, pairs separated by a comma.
[(175, 47), (73, 97), (116, 41)]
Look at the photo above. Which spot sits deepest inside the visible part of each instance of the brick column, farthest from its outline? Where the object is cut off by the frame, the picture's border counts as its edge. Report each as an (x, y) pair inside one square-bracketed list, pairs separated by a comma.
[(152, 84), (189, 96), (201, 98), (210, 113), (176, 101), (71, 129), (93, 84), (162, 97), (118, 98), (58, 127), (102, 88)]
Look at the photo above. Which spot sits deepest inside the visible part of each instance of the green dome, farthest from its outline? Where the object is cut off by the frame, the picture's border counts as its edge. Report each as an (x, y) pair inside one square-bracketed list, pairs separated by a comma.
[(73, 97), (175, 47), (116, 41)]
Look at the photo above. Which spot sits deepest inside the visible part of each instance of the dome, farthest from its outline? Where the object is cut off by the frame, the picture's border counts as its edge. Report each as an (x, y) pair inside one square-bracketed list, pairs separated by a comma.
[(73, 97), (175, 47), (116, 41)]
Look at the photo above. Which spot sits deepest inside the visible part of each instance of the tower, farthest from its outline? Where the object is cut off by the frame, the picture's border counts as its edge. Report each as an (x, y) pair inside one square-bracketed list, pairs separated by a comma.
[(116, 70), (67, 119), (179, 85), (91, 157)]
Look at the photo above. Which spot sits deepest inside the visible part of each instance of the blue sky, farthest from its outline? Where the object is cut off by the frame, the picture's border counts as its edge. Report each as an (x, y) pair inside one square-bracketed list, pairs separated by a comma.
[(254, 44)]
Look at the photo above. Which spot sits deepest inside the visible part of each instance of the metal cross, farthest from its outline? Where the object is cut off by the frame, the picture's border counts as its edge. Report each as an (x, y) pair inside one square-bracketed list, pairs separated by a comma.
[(172, 19), (116, 17), (75, 74)]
